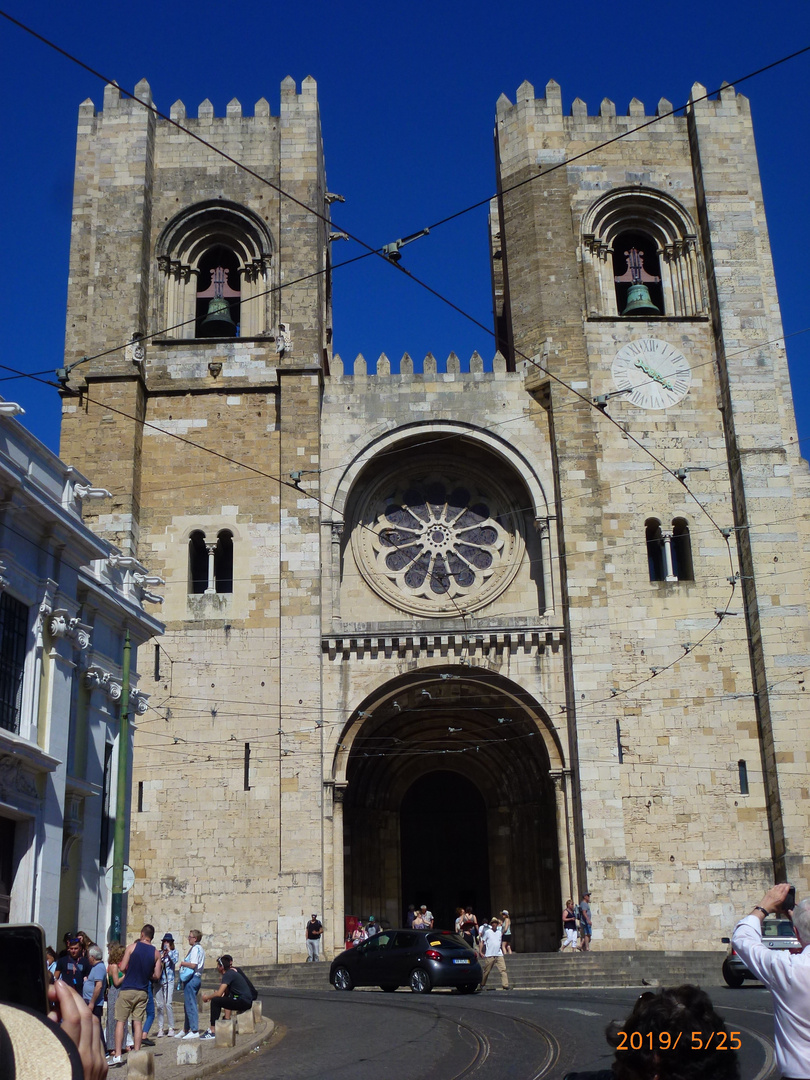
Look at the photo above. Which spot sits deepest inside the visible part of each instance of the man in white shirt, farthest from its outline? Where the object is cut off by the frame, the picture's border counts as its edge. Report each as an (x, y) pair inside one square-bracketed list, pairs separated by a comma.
[(490, 937), (786, 975)]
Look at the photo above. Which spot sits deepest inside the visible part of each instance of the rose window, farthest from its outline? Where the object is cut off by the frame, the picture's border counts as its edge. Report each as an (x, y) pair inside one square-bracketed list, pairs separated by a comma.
[(437, 546)]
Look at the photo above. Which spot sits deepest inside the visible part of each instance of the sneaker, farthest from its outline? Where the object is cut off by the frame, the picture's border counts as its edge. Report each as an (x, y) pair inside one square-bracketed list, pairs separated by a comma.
[(181, 1035), (170, 1033), (147, 1042), (159, 1035), (115, 1062), (192, 1035), (208, 1035)]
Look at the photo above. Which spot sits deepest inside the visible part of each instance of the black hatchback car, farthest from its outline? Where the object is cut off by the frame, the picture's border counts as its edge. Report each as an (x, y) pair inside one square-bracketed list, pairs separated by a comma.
[(420, 959)]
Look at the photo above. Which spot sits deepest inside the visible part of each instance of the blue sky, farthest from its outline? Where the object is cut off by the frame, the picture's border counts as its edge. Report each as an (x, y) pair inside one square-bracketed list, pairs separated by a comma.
[(407, 96)]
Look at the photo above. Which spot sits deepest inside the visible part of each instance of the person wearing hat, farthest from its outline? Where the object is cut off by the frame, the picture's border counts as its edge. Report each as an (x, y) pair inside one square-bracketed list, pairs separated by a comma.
[(314, 929), (491, 956), (585, 924), (163, 996), (371, 927)]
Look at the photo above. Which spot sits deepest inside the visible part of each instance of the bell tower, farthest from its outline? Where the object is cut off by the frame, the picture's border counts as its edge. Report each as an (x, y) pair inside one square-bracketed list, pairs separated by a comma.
[(631, 262), (198, 336)]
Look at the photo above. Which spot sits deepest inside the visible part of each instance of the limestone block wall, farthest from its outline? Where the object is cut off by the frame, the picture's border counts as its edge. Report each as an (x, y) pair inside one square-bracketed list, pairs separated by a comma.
[(666, 827)]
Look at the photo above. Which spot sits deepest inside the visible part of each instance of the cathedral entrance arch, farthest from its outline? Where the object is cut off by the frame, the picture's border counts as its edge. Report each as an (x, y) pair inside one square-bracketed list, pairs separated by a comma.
[(449, 800)]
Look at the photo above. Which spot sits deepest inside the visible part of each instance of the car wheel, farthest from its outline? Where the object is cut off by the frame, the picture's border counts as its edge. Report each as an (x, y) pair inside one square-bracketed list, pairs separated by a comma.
[(389, 988), (420, 981), (343, 980), (733, 978), (468, 988)]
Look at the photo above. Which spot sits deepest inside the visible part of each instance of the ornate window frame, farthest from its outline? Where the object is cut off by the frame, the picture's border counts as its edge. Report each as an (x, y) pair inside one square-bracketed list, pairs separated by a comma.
[(180, 249), (674, 234), (434, 540)]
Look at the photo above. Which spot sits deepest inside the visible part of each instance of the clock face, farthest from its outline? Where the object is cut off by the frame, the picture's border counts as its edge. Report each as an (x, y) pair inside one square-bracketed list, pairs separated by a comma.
[(653, 373)]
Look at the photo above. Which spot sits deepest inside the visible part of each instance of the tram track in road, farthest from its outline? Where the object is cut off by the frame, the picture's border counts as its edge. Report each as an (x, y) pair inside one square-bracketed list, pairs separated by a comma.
[(491, 1043)]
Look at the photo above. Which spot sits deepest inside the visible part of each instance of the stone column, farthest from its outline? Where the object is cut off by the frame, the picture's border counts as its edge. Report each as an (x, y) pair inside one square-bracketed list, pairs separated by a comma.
[(670, 575), (337, 536), (338, 897), (211, 549), (560, 778), (543, 532)]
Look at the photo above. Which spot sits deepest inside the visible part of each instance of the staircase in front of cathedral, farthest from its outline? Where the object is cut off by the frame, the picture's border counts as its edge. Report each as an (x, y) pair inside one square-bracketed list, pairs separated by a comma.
[(543, 971)]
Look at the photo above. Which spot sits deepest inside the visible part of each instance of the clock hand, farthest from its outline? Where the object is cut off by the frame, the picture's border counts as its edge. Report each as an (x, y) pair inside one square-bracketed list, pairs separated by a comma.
[(653, 374)]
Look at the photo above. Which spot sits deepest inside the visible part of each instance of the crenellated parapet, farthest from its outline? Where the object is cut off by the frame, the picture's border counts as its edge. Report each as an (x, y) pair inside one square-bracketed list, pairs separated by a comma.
[(431, 367), (548, 111)]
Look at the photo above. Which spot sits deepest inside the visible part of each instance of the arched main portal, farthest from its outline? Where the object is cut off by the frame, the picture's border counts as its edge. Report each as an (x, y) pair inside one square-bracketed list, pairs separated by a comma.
[(449, 800)]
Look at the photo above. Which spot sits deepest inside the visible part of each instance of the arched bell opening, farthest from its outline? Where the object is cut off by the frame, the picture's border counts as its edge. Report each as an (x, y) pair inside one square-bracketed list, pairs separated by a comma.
[(449, 800)]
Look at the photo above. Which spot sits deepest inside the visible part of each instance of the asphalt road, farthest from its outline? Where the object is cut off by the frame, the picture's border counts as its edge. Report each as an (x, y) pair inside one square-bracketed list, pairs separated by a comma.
[(515, 1035)]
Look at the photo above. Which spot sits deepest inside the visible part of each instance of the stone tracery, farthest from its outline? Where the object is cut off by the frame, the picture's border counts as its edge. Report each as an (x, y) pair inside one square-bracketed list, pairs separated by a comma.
[(437, 542)]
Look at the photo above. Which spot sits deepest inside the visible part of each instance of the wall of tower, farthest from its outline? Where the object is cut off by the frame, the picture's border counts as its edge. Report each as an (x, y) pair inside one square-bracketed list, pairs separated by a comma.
[(447, 571), (191, 436), (652, 667)]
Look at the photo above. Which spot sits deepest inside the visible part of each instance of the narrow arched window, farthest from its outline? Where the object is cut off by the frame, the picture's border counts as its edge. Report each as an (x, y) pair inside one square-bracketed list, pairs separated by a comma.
[(197, 563), (637, 274), (223, 562), (681, 546), (218, 294), (655, 550)]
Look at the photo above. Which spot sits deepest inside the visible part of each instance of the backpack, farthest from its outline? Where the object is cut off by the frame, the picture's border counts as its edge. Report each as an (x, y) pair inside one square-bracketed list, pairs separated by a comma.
[(254, 993)]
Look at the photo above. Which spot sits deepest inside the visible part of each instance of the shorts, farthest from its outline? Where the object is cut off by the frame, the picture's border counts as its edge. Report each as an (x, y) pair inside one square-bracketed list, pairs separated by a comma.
[(586, 929), (131, 1004)]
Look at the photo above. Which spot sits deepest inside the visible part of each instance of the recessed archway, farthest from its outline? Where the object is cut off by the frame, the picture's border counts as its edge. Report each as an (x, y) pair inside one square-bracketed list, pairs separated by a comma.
[(464, 758)]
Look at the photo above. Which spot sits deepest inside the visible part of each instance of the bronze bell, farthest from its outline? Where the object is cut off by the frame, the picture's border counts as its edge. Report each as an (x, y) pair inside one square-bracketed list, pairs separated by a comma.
[(218, 322), (639, 302)]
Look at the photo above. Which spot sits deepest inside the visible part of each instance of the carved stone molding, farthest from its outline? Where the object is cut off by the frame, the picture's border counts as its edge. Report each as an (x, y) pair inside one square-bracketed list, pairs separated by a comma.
[(462, 647), (15, 780), (45, 608), (135, 351), (61, 625), (4, 582), (72, 826), (97, 678), (140, 701)]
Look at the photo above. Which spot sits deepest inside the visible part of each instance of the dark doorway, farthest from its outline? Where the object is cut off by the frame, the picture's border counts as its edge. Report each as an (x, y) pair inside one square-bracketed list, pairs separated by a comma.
[(445, 850)]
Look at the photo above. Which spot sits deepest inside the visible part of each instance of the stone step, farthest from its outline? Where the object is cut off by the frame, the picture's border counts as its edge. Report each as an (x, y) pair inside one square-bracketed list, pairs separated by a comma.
[(541, 970)]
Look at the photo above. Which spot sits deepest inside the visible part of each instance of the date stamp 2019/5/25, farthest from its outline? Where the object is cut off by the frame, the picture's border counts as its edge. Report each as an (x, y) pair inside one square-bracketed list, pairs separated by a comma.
[(663, 1040)]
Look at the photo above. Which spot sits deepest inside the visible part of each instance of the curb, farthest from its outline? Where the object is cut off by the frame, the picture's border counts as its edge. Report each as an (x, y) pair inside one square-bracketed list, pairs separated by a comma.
[(166, 1070)]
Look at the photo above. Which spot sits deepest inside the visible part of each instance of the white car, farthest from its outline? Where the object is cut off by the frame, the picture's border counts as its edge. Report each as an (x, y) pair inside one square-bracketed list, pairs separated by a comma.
[(777, 933)]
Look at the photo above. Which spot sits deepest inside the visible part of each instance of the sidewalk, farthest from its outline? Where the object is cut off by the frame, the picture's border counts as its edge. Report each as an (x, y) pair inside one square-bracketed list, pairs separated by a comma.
[(213, 1058)]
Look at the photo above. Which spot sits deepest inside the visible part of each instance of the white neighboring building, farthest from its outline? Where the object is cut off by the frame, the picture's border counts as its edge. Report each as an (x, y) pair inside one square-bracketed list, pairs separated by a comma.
[(66, 602)]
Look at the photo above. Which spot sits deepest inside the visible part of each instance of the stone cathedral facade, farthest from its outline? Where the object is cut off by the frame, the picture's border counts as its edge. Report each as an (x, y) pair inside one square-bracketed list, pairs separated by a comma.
[(488, 632)]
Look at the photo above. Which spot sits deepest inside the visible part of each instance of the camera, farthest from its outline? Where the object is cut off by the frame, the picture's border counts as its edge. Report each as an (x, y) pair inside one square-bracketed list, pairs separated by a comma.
[(789, 903), (22, 957)]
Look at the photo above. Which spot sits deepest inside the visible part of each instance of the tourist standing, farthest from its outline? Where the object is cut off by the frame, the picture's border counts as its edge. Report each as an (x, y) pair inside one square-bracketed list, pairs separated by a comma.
[(191, 969), (314, 929), (140, 963), (163, 998)]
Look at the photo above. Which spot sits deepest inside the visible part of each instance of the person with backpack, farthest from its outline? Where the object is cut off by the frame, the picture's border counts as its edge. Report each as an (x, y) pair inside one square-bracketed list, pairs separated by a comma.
[(236, 993)]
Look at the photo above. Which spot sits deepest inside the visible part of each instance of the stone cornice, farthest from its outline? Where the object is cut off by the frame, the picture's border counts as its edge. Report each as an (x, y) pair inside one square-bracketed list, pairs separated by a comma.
[(460, 646)]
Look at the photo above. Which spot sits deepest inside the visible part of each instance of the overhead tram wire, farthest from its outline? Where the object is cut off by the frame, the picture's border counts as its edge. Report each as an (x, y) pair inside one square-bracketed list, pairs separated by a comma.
[(379, 252), (618, 138), (369, 249)]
